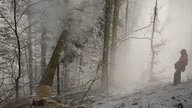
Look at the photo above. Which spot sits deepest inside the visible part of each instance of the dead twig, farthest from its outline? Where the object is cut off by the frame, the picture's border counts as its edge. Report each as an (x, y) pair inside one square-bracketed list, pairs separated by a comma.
[(26, 10), (130, 33), (7, 21), (89, 88), (127, 36)]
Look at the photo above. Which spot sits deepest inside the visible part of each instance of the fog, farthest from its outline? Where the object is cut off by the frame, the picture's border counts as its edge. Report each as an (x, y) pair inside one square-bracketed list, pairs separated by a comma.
[(29, 33), (173, 28)]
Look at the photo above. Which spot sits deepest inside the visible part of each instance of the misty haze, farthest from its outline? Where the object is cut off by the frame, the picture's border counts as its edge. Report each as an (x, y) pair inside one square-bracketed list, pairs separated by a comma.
[(95, 54)]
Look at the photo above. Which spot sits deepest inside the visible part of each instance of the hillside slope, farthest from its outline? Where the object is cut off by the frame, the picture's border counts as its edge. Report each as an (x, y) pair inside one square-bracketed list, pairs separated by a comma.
[(155, 96)]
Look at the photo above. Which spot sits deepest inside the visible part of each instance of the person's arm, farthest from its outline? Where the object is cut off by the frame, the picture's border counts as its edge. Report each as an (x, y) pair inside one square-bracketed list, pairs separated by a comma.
[(186, 61)]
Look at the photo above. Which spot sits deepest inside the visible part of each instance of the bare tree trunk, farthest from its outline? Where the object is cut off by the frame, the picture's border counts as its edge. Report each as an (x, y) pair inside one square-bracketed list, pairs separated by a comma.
[(131, 14), (66, 79), (30, 53), (58, 80), (48, 75), (25, 65), (44, 88), (58, 74), (35, 67), (43, 51), (19, 50), (80, 70), (126, 16), (114, 34), (62, 82), (108, 14), (152, 43)]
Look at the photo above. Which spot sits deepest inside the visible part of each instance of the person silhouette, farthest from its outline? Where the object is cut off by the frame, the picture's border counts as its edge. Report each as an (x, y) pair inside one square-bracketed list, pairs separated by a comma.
[(180, 66)]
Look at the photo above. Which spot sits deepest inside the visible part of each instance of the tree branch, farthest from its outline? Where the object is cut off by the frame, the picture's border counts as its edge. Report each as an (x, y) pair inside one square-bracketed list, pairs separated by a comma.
[(27, 28), (133, 37), (7, 21), (26, 10), (137, 30), (89, 88), (136, 38)]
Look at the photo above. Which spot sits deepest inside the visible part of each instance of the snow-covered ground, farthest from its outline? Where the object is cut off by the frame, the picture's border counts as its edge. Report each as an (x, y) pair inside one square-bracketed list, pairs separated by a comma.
[(156, 95)]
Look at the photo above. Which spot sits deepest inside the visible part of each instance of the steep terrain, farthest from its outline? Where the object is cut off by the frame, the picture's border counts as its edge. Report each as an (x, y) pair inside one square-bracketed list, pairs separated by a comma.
[(163, 95)]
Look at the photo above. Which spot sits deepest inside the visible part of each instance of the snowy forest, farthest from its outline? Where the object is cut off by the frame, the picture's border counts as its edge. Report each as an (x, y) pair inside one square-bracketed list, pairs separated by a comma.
[(95, 54)]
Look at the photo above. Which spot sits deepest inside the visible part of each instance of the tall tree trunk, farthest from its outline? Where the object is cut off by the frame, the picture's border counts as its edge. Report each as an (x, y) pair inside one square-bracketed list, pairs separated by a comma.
[(126, 16), (152, 43), (108, 14), (43, 51), (19, 50), (35, 66), (66, 79), (58, 74), (58, 80), (48, 75), (80, 70), (30, 53), (114, 35)]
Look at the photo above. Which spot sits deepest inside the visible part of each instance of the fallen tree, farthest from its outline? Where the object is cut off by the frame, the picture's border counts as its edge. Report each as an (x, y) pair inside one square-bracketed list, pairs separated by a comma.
[(44, 89)]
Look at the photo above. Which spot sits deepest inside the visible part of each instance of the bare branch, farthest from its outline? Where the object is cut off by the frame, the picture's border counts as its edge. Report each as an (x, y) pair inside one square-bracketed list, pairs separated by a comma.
[(135, 38), (26, 10), (137, 30), (89, 88), (82, 8), (7, 21), (27, 28)]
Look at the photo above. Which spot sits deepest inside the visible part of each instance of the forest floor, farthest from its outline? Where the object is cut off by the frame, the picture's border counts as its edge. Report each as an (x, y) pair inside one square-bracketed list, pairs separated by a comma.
[(156, 95)]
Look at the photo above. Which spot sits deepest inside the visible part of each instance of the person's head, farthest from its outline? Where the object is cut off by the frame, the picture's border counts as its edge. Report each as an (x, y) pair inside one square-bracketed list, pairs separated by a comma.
[(183, 52)]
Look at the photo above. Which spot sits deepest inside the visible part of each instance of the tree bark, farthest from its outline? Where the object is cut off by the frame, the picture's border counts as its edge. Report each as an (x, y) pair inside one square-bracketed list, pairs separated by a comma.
[(108, 14), (114, 35), (152, 43), (19, 50), (30, 53), (43, 51), (126, 16), (48, 75), (36, 77), (58, 80), (66, 79)]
